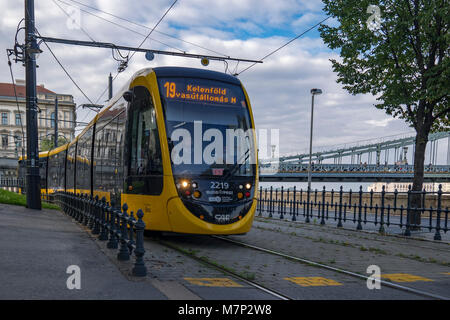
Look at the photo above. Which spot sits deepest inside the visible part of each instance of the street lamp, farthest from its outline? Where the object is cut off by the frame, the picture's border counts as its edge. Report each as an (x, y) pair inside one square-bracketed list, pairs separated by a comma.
[(314, 92)]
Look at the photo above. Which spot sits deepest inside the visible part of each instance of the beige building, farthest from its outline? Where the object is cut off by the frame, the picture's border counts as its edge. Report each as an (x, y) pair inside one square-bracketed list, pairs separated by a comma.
[(403, 186), (13, 119)]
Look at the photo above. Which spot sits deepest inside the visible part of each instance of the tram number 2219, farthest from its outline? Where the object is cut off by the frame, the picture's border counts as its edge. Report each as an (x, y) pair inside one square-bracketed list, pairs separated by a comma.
[(219, 185)]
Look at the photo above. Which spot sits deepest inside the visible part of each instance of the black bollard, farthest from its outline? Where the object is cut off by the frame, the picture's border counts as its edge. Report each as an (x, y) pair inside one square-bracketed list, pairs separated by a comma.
[(124, 253), (112, 243), (102, 209), (132, 222), (91, 213), (96, 216), (139, 269)]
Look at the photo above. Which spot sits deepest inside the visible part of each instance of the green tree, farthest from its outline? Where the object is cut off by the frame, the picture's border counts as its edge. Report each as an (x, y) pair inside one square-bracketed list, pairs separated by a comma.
[(403, 61), (48, 143)]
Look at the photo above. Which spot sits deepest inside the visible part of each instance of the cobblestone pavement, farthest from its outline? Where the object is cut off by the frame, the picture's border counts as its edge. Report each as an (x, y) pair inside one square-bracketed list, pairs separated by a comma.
[(419, 264), (180, 277), (425, 264), (296, 280)]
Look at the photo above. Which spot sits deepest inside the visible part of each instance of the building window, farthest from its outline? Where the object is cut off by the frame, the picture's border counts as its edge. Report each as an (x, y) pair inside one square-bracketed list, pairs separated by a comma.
[(4, 141), (18, 119), (4, 118), (52, 123), (18, 140)]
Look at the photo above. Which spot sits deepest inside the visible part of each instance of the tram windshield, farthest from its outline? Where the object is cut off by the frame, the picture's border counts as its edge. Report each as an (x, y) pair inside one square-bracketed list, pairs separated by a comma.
[(208, 127)]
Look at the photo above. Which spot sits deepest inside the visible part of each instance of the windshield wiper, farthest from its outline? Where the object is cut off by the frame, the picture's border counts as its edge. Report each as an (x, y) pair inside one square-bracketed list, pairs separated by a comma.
[(238, 166)]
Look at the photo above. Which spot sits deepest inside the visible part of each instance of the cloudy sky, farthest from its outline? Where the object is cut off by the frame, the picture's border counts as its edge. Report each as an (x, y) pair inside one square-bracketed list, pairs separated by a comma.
[(279, 89)]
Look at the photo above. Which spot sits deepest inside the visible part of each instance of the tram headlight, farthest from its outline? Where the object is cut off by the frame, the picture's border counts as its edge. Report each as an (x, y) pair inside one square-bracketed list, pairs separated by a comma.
[(184, 184), (248, 186)]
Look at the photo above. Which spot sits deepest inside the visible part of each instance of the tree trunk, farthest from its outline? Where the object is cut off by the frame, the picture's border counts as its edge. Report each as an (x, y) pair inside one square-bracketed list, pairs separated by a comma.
[(419, 164)]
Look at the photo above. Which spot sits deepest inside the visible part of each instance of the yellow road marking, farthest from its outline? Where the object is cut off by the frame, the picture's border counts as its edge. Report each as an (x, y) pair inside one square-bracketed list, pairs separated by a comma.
[(213, 282), (404, 277), (313, 281), (447, 273)]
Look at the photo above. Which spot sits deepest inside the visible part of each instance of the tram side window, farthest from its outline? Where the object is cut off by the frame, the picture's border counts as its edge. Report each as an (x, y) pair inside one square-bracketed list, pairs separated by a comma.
[(52, 172), (70, 165), (84, 162), (145, 149), (61, 169), (99, 160), (145, 160)]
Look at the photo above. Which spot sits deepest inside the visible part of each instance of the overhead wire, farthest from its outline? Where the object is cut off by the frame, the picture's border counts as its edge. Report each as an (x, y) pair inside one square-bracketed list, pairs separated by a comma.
[(67, 73), (156, 25), (144, 26), (122, 63), (68, 16), (140, 45), (17, 100), (89, 36), (120, 26), (284, 45)]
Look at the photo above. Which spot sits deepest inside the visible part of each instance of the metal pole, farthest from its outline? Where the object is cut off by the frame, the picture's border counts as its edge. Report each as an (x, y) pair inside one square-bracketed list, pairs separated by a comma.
[(33, 179), (56, 123), (110, 87), (310, 144), (448, 151)]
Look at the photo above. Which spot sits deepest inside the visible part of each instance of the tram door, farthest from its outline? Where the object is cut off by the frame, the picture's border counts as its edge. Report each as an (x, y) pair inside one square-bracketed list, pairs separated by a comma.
[(143, 157)]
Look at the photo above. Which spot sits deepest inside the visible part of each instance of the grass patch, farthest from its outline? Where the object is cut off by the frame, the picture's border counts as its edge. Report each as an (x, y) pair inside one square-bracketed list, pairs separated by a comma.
[(8, 197), (420, 259)]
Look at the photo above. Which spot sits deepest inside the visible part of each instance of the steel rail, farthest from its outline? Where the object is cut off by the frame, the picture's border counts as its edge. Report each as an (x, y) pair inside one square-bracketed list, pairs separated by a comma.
[(231, 273), (321, 265)]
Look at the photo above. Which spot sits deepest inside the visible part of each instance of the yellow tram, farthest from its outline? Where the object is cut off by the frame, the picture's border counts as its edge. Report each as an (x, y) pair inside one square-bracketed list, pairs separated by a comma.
[(177, 143)]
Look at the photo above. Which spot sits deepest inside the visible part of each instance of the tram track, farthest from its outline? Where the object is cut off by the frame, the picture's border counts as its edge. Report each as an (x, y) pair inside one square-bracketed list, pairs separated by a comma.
[(216, 266), (331, 268), (362, 234)]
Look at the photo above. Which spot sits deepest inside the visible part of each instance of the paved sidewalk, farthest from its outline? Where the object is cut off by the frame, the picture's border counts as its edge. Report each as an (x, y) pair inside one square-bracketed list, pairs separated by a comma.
[(36, 247)]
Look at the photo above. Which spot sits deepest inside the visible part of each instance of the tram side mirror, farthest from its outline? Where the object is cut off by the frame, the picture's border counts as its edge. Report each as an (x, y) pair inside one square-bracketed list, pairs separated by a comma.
[(128, 96)]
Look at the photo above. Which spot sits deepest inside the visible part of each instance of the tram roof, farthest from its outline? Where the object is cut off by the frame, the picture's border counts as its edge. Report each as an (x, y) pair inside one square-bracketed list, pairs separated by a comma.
[(195, 73)]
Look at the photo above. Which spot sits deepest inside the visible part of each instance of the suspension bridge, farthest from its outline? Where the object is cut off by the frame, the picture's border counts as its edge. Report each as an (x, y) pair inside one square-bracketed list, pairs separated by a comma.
[(384, 160)]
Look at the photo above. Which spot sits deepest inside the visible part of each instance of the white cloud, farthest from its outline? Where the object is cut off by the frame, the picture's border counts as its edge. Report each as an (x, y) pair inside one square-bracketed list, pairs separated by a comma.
[(379, 123), (279, 88)]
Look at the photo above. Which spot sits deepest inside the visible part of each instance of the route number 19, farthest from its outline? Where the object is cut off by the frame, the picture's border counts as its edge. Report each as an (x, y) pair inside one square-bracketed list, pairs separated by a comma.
[(170, 89)]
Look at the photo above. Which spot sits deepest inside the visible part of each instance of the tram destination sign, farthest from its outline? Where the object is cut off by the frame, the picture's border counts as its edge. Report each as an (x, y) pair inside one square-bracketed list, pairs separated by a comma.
[(206, 91)]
